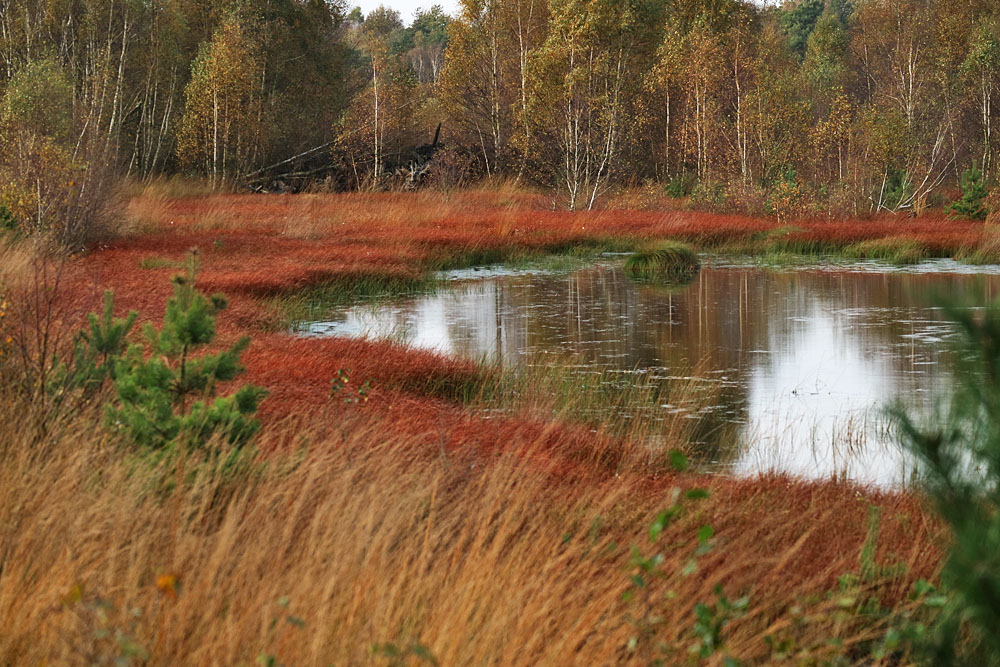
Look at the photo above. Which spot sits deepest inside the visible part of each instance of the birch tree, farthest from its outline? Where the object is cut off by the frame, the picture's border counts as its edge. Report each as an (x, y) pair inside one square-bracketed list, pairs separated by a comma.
[(982, 69), (897, 46), (662, 90), (580, 79), (478, 82), (704, 69), (378, 122), (826, 78), (222, 127)]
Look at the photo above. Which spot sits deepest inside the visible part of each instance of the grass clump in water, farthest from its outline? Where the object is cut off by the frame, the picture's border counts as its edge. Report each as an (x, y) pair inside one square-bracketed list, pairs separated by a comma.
[(553, 263), (985, 251), (896, 250), (316, 301), (669, 262)]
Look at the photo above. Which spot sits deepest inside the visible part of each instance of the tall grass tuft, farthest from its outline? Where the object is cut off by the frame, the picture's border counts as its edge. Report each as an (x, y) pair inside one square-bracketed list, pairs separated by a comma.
[(668, 262), (894, 249), (986, 249), (626, 406)]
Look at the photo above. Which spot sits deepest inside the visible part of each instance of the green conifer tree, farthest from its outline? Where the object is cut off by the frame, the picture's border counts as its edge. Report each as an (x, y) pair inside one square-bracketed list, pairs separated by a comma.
[(958, 450), (169, 396), (972, 205), (98, 348)]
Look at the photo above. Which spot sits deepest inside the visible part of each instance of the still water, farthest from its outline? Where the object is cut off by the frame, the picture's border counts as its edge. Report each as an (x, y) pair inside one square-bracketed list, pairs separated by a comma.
[(800, 361)]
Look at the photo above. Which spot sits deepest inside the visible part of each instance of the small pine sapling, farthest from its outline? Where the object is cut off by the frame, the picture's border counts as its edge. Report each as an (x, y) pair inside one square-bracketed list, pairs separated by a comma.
[(97, 348), (972, 205), (170, 396), (897, 191)]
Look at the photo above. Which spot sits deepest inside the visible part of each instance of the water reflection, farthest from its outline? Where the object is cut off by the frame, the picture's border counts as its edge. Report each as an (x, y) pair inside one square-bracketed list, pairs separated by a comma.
[(801, 360)]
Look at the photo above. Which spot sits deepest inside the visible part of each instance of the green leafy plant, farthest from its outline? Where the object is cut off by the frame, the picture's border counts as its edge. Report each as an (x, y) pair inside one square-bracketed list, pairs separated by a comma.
[(960, 455), (972, 204), (643, 602), (910, 628), (860, 628), (712, 620), (405, 654), (340, 386), (169, 396)]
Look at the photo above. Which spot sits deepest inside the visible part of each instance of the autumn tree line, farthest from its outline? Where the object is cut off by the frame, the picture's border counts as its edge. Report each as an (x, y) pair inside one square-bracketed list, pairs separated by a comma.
[(855, 106), (845, 106)]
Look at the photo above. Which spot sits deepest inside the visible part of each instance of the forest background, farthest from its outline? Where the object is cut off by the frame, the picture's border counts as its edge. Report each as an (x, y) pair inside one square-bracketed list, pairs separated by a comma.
[(840, 107)]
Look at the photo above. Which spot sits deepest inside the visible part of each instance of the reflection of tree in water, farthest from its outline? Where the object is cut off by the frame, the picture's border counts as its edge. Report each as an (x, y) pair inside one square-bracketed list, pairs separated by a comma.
[(729, 325), (891, 317)]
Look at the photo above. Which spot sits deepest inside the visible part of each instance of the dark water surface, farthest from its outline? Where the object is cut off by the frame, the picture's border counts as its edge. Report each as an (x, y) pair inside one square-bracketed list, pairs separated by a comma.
[(800, 360)]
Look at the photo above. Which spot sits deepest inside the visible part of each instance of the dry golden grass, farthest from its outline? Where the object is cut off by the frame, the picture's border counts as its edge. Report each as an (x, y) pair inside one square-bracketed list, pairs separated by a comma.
[(305, 219), (986, 249), (627, 406), (147, 204), (16, 263), (170, 187), (144, 215), (365, 540)]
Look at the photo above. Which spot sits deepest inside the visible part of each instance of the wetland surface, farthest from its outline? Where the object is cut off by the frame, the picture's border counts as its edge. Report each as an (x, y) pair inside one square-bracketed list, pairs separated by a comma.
[(797, 362)]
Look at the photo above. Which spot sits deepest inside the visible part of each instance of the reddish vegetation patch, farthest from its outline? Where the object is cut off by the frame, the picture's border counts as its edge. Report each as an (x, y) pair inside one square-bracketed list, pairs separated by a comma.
[(307, 365), (826, 522), (258, 246), (299, 372), (781, 540), (253, 246)]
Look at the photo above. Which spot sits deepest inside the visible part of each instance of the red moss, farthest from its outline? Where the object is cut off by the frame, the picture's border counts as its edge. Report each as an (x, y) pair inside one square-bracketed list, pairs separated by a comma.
[(253, 246)]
